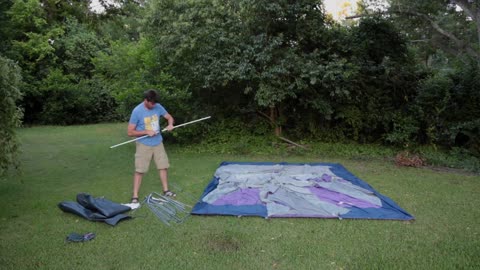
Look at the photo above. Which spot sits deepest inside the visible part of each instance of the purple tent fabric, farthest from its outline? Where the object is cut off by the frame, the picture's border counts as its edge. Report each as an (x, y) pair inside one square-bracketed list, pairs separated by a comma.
[(248, 196), (340, 199)]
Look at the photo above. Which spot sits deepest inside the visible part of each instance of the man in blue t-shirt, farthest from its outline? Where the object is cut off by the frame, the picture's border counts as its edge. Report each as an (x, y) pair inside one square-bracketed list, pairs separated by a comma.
[(145, 120)]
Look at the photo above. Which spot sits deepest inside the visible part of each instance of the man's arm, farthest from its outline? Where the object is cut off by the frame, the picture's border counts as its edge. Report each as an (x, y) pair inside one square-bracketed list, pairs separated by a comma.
[(131, 132), (170, 121)]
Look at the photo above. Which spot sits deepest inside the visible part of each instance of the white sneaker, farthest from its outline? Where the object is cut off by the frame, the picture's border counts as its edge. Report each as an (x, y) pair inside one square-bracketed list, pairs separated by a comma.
[(132, 205)]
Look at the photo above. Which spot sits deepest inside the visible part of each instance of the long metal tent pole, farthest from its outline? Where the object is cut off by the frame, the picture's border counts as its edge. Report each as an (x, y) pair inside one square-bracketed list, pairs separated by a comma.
[(177, 126)]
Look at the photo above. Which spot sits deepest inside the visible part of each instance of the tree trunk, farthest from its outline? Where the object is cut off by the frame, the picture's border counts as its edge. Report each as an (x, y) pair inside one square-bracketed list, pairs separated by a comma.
[(274, 119)]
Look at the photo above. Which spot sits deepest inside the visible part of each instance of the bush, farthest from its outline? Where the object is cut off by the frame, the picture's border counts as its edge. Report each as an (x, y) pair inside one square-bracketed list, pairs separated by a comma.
[(404, 132), (10, 114), (433, 103), (447, 105), (176, 100), (66, 103)]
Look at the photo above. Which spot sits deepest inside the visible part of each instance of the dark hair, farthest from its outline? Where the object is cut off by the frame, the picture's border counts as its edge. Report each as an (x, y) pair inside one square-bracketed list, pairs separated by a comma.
[(150, 95)]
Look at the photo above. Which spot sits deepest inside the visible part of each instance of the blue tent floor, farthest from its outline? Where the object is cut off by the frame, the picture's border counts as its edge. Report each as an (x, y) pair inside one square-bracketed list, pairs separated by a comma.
[(264, 206)]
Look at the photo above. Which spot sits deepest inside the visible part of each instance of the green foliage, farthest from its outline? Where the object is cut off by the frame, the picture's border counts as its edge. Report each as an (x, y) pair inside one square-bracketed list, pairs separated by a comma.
[(69, 103), (128, 70), (31, 39), (10, 114), (54, 44), (289, 60), (76, 49), (448, 106), (264, 63), (200, 43), (358, 92), (5, 31), (27, 16), (464, 125), (233, 136), (121, 22), (404, 131), (451, 27), (282, 65), (65, 92), (434, 101), (377, 38)]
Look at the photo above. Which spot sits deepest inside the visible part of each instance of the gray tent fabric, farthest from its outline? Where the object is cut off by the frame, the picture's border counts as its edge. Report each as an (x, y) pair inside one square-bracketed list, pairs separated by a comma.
[(96, 209), (284, 189)]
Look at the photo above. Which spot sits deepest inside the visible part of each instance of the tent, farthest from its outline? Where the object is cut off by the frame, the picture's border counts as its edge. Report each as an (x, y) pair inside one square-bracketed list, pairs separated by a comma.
[(315, 190)]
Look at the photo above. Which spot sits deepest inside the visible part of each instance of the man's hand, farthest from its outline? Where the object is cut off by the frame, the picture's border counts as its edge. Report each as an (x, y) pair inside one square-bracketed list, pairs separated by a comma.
[(169, 127), (139, 133), (151, 133)]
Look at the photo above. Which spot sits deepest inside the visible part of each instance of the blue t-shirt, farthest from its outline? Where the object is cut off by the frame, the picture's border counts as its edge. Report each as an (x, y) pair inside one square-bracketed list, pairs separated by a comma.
[(145, 119)]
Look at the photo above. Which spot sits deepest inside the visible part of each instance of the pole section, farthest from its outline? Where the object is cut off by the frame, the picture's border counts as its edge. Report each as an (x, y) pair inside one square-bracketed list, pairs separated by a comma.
[(181, 125)]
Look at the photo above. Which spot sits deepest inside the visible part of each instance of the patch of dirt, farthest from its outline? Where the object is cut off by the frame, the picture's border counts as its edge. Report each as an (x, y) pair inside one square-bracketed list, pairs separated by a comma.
[(222, 243)]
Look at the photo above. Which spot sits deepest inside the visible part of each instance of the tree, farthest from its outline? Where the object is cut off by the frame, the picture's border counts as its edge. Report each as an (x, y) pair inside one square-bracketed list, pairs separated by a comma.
[(200, 44), (76, 48), (55, 40), (446, 34), (242, 50), (10, 114), (449, 25), (5, 30), (31, 46), (129, 68), (121, 20)]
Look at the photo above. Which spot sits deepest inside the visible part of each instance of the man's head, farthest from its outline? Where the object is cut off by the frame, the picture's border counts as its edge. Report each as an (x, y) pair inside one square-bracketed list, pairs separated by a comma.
[(150, 98)]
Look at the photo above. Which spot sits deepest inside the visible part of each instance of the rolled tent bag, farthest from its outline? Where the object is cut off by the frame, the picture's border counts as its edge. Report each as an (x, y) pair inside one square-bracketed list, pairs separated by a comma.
[(96, 209)]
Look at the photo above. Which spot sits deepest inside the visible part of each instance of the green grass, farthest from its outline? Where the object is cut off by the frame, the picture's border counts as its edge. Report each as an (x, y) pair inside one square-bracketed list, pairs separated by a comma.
[(59, 162)]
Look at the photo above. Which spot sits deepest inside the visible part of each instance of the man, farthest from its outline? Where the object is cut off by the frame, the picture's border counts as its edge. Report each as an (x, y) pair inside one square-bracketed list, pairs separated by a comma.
[(145, 120)]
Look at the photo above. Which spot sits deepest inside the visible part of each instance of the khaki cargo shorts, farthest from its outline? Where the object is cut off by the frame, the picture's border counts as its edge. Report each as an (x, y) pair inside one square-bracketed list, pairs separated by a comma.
[(144, 154)]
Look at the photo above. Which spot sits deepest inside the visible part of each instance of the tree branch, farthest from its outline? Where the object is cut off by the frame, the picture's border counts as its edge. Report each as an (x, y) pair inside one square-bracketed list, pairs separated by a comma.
[(267, 117), (458, 43), (439, 42), (291, 142)]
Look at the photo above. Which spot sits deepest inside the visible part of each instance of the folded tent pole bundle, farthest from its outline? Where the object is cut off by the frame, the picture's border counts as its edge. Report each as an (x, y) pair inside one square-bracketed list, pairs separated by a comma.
[(181, 125), (169, 211)]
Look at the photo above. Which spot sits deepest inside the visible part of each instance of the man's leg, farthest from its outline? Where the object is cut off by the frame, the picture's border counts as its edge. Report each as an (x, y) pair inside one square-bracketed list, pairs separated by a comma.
[(137, 181), (164, 178), (161, 160), (143, 155)]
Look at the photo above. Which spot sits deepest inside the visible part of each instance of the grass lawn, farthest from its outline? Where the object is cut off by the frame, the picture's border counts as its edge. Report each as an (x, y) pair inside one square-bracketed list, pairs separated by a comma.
[(60, 162)]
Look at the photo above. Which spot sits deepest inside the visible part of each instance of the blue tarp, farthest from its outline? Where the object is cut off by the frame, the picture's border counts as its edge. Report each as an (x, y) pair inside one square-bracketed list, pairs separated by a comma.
[(266, 189)]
